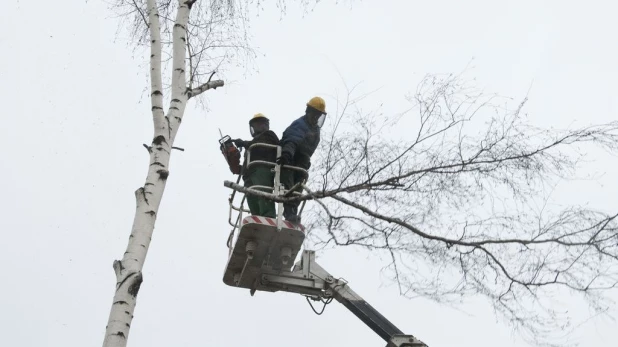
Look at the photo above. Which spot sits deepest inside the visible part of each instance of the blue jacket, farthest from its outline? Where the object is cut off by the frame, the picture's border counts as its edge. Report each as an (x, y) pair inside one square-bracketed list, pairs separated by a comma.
[(300, 141)]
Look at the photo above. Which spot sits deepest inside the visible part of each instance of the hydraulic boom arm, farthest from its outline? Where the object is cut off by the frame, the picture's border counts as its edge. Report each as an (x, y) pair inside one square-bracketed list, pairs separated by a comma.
[(309, 278)]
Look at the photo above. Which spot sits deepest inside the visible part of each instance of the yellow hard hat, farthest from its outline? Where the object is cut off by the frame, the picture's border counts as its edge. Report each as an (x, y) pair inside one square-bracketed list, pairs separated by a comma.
[(257, 116), (317, 103)]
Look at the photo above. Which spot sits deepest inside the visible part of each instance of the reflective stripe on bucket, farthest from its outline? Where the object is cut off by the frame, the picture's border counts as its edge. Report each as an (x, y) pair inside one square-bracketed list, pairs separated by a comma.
[(271, 222)]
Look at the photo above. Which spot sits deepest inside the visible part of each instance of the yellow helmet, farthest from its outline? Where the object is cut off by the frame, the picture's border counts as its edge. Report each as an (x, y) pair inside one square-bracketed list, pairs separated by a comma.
[(257, 116), (317, 103), (256, 128)]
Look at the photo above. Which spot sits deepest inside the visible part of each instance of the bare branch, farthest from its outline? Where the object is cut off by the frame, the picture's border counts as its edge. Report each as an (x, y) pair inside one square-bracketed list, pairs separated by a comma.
[(204, 87), (463, 208)]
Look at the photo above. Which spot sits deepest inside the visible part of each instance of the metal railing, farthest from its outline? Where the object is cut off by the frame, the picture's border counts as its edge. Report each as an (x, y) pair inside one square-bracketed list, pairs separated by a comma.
[(277, 189)]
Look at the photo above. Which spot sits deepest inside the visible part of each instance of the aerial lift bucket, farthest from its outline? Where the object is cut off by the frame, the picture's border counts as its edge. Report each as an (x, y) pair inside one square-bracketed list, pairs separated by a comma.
[(260, 246), (262, 243)]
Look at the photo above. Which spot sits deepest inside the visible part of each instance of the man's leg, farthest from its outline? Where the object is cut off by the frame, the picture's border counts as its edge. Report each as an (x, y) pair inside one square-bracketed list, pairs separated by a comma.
[(264, 177), (298, 177), (289, 208), (252, 201)]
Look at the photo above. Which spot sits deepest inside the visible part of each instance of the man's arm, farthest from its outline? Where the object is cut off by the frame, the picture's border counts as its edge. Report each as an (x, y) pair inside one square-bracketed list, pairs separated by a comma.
[(270, 138), (292, 137), (241, 143)]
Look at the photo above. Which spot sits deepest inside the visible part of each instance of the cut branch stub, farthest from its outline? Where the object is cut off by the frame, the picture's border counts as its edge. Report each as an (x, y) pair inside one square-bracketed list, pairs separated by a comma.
[(137, 282), (158, 140), (163, 174)]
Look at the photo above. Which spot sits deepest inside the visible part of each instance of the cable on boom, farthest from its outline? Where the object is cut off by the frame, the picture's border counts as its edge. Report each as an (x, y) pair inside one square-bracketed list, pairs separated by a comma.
[(325, 302)]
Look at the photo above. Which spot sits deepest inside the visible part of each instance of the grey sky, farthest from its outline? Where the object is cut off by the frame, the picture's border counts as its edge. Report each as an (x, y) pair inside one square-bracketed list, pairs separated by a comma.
[(76, 117)]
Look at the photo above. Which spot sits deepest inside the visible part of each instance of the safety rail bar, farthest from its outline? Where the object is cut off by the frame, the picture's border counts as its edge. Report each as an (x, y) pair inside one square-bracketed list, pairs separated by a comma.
[(277, 188)]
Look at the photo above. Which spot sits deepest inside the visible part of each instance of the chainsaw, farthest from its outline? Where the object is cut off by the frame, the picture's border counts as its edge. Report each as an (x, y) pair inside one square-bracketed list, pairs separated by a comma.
[(230, 152)]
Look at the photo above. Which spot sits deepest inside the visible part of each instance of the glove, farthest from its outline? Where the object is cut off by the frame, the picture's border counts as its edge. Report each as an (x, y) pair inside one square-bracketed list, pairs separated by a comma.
[(239, 143), (284, 159)]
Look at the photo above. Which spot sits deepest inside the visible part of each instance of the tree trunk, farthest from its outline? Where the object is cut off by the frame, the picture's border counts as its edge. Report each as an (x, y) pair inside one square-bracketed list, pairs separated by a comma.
[(148, 198)]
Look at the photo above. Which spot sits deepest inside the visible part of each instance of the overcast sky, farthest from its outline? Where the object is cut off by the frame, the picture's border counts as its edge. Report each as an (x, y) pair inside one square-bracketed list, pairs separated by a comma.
[(75, 118)]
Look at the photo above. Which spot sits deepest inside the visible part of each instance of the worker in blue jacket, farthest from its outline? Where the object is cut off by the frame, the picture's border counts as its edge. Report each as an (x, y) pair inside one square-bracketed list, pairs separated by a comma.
[(298, 143)]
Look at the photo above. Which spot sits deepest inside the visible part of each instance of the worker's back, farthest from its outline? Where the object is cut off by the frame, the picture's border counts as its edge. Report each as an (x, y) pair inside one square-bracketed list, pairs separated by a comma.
[(301, 139)]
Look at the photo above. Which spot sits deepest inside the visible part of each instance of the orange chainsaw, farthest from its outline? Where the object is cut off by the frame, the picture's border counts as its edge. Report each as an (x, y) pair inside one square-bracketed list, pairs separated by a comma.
[(230, 152)]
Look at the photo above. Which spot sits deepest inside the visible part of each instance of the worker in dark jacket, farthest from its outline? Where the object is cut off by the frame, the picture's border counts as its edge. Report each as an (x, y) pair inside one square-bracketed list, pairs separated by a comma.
[(258, 174), (298, 143)]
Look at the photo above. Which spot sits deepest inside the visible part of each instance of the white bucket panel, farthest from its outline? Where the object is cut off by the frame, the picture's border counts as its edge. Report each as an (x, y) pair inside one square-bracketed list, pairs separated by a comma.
[(269, 242)]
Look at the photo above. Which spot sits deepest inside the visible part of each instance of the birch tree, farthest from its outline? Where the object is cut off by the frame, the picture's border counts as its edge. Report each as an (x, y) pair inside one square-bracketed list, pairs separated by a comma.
[(188, 41)]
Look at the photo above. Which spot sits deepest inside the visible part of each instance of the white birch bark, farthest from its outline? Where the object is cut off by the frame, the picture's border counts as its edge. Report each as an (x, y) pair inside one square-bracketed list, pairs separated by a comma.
[(148, 198)]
